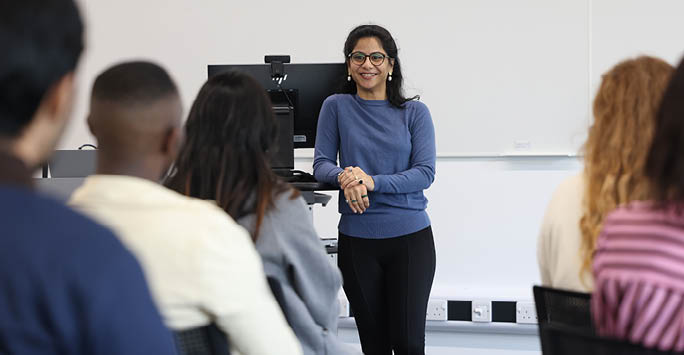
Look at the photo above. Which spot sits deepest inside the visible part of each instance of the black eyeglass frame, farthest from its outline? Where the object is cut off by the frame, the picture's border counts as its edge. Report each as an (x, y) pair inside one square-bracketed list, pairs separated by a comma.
[(369, 57)]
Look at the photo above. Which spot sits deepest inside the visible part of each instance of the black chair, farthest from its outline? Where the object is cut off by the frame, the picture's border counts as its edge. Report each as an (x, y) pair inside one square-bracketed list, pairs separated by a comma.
[(563, 307), (567, 340), (206, 340)]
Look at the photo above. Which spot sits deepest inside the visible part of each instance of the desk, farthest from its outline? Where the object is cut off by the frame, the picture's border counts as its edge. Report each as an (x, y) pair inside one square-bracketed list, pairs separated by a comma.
[(314, 186), (58, 188)]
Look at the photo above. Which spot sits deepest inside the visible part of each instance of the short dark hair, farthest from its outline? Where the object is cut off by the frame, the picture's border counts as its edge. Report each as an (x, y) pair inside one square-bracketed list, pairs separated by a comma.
[(137, 82), (41, 41), (395, 90), (665, 162)]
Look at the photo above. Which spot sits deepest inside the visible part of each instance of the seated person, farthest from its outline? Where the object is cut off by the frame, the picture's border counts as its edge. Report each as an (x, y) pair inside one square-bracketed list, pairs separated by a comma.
[(67, 285), (614, 154), (201, 265), (639, 262), (229, 133)]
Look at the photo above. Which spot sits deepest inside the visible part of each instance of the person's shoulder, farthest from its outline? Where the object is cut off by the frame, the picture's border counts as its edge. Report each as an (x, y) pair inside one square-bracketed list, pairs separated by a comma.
[(289, 215), (338, 99), (571, 186), (287, 226), (417, 110), (565, 203), (416, 104), (649, 212), (208, 216), (417, 107), (290, 205), (48, 213), (50, 230)]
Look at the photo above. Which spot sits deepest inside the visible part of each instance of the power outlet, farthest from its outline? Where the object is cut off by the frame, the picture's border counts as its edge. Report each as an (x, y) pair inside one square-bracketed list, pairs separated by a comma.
[(525, 313), (436, 310), (482, 311)]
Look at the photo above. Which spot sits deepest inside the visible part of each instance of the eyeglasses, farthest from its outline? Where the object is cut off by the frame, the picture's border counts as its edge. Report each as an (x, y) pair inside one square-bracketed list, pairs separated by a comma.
[(376, 58)]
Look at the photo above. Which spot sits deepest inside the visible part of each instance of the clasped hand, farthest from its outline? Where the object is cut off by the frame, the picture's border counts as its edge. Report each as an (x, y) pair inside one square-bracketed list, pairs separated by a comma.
[(356, 184)]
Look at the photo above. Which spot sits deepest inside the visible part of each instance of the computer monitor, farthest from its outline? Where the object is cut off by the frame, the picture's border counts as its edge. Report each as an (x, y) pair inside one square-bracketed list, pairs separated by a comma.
[(73, 163), (313, 83)]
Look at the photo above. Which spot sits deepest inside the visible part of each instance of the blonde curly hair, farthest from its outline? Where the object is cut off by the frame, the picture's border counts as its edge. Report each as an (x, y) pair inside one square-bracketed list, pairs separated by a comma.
[(615, 152)]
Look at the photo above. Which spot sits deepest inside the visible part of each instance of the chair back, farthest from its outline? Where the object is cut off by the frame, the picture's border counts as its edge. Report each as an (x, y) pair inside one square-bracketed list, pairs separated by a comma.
[(563, 307), (205, 340)]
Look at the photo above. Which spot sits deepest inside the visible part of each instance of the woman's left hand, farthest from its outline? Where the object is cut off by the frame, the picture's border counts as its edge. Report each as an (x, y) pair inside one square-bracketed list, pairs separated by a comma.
[(353, 176), (357, 198)]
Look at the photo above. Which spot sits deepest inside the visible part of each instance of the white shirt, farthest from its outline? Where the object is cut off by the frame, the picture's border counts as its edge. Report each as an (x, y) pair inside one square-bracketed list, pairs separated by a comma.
[(558, 247), (201, 266)]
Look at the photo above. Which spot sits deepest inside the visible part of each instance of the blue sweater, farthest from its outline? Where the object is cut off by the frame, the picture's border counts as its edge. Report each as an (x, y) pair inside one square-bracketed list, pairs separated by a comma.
[(394, 146), (68, 286)]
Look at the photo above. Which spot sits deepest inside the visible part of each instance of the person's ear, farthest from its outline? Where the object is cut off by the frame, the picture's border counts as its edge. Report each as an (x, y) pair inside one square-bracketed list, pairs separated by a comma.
[(171, 143), (59, 99), (91, 126)]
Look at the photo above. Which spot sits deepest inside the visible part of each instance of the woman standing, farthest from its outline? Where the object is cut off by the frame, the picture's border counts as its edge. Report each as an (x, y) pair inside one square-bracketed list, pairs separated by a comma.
[(386, 144)]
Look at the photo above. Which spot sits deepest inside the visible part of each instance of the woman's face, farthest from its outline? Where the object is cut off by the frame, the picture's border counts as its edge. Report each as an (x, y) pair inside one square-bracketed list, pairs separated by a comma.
[(370, 78)]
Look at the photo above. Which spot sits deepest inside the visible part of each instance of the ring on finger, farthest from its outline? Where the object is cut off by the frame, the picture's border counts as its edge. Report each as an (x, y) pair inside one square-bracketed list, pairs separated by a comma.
[(364, 196), (353, 201)]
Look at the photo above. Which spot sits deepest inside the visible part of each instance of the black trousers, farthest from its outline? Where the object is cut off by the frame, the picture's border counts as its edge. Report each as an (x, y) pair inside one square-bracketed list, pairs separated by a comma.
[(388, 282)]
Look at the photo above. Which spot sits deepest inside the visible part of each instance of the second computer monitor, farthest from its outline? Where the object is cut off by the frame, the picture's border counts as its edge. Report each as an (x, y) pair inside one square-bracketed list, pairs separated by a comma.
[(313, 83)]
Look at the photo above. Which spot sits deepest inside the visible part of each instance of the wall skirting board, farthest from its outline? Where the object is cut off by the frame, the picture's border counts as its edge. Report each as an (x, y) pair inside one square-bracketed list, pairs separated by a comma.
[(465, 338)]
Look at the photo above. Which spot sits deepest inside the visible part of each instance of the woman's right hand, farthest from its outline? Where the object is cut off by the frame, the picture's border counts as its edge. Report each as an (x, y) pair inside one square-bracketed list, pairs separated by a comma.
[(357, 198), (353, 175)]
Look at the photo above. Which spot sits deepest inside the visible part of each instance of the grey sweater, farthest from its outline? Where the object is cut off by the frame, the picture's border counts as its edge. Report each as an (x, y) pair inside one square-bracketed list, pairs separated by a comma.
[(293, 254)]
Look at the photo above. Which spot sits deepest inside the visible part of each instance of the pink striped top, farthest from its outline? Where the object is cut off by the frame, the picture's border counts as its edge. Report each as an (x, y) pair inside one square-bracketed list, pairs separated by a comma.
[(639, 276)]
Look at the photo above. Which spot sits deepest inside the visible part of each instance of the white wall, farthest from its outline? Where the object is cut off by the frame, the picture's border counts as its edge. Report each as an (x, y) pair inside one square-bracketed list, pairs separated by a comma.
[(493, 72), (485, 217)]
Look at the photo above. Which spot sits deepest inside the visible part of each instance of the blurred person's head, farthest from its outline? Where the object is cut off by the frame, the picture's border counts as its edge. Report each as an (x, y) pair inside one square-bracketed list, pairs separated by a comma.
[(229, 134), (665, 160), (41, 42), (625, 110), (135, 114)]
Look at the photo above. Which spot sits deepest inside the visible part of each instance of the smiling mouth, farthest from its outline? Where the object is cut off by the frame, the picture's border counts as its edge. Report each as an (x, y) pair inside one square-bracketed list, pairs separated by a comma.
[(368, 75)]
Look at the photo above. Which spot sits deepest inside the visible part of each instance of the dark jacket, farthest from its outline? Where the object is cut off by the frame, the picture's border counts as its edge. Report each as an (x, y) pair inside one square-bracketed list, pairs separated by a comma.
[(67, 285)]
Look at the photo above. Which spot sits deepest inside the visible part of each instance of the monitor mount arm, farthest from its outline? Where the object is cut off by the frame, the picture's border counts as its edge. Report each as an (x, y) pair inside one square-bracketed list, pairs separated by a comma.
[(278, 72), (277, 67)]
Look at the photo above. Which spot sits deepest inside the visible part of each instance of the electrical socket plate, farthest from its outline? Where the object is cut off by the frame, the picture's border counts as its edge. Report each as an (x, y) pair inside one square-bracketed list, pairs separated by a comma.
[(525, 313), (482, 311), (436, 310)]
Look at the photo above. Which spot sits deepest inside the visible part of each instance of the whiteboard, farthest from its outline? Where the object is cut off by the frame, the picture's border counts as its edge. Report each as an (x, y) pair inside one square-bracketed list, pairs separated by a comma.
[(514, 75), (492, 72), (628, 28), (499, 76)]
